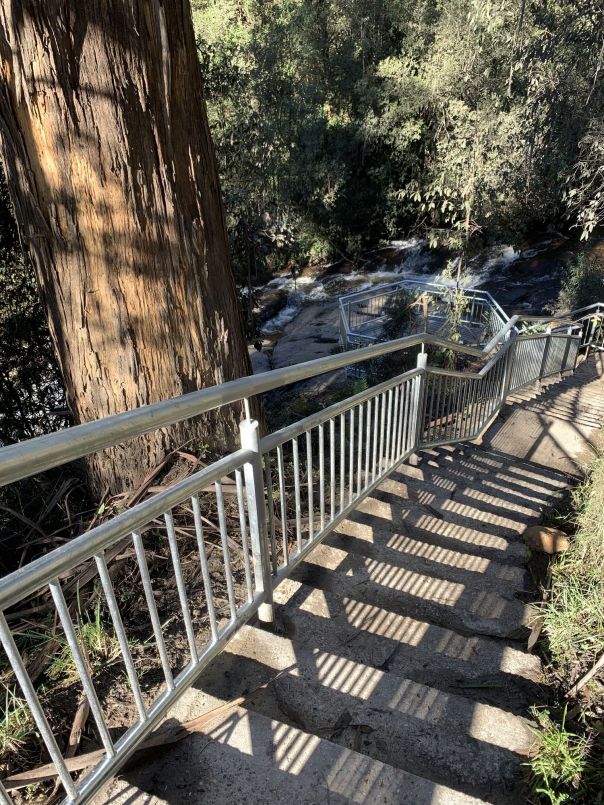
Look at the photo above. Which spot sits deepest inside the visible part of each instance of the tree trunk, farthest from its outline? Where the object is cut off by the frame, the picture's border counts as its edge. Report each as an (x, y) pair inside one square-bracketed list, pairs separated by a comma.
[(111, 170)]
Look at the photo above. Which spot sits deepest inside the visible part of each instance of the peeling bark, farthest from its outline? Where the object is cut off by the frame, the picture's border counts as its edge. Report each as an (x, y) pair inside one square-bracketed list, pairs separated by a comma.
[(110, 165)]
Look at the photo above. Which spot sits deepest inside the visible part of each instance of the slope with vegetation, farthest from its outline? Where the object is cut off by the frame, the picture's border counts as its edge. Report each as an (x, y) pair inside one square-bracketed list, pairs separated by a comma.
[(340, 124)]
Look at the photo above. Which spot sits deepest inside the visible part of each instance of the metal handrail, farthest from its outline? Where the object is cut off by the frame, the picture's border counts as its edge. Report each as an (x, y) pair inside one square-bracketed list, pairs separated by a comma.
[(351, 335), (23, 459), (335, 458)]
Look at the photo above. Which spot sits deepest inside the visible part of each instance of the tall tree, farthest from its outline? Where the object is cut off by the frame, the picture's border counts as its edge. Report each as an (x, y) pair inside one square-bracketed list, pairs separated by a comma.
[(108, 157)]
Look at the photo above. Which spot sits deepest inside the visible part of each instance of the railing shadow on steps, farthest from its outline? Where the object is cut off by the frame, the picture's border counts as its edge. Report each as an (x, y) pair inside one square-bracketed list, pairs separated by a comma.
[(311, 474)]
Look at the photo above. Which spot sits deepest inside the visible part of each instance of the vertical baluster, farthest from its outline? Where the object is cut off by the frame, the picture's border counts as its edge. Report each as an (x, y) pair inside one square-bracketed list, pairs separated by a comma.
[(384, 407), (480, 394), (224, 540), (205, 571), (434, 399), (444, 407), (351, 459), (268, 482), (297, 493), (322, 475), (120, 633), (81, 666), (440, 407), (456, 409), (376, 417), (311, 503), (360, 449), (37, 712), (474, 392), (179, 578), (342, 459), (388, 431), (244, 541), (4, 797), (332, 467), (453, 408), (406, 392), (428, 405), (283, 503), (466, 385), (150, 599), (256, 510), (367, 442), (394, 437)]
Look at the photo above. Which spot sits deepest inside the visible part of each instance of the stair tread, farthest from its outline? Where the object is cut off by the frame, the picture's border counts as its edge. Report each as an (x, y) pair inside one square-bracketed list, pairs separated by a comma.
[(483, 668), (248, 757), (430, 527), (402, 550), (444, 737), (397, 589)]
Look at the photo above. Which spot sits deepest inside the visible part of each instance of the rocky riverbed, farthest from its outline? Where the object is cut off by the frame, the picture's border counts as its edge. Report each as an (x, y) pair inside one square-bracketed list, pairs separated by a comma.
[(298, 316)]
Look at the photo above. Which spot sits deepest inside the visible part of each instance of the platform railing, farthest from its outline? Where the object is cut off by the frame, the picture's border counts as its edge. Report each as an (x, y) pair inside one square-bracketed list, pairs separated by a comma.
[(287, 491), (363, 313)]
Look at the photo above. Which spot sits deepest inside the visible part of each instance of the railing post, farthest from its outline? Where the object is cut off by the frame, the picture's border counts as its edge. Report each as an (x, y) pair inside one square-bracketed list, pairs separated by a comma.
[(569, 333), (548, 340), (419, 399), (509, 368), (256, 509)]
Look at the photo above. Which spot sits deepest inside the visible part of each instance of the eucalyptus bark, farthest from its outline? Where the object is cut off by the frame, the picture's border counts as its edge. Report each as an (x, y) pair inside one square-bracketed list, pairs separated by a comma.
[(111, 170)]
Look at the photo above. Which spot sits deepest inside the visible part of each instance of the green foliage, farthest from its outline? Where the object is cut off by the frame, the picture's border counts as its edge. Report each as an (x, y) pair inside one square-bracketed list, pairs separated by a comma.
[(582, 282), (574, 611), (16, 723), (337, 124), (400, 314), (98, 642), (568, 761), (31, 392), (560, 761)]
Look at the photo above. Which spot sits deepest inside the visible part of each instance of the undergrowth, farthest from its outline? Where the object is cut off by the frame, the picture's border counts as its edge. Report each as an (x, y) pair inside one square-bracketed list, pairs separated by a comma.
[(568, 763)]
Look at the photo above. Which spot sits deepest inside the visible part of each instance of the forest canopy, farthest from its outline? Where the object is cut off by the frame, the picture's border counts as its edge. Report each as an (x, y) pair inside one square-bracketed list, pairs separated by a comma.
[(340, 124)]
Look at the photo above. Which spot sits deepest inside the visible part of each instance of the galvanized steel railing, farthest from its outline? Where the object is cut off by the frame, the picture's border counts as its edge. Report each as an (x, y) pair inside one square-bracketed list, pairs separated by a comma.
[(287, 491), (363, 313)]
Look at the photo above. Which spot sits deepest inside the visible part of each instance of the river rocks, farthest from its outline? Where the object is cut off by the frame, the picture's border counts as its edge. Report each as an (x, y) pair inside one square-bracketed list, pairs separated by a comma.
[(545, 539)]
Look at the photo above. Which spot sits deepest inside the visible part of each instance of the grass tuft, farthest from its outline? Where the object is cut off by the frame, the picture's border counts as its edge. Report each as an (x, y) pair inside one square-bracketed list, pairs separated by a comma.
[(574, 612), (98, 642), (16, 723), (560, 759)]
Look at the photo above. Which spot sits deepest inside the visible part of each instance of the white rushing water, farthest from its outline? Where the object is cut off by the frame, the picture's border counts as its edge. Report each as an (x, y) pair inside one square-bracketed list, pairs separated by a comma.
[(413, 261)]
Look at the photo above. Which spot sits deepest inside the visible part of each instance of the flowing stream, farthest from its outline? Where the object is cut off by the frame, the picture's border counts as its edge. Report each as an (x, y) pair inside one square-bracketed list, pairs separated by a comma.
[(299, 316)]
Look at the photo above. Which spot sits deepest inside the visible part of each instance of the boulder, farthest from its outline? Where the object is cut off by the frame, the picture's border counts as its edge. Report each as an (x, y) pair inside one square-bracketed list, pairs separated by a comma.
[(545, 539)]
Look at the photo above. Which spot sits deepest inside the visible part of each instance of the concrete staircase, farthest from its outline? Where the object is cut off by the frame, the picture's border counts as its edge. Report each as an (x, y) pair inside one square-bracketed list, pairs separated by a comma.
[(398, 672)]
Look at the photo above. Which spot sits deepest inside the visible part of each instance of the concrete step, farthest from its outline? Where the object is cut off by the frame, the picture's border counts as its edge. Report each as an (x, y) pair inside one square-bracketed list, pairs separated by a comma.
[(429, 526), (443, 737), (449, 480), (246, 757), (465, 609), (520, 467), (484, 669), (428, 493), (399, 550), (566, 411), (388, 507), (575, 419)]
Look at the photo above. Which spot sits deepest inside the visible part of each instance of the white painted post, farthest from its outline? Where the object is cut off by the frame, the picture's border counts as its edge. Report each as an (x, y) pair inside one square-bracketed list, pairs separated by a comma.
[(509, 367), (419, 400), (545, 353), (254, 487)]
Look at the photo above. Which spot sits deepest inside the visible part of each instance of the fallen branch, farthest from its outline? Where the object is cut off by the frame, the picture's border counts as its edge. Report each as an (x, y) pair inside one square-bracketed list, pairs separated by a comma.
[(160, 737), (586, 678)]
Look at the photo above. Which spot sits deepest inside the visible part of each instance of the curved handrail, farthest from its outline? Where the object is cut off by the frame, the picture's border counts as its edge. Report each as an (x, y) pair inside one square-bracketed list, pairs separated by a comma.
[(569, 317), (23, 459)]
